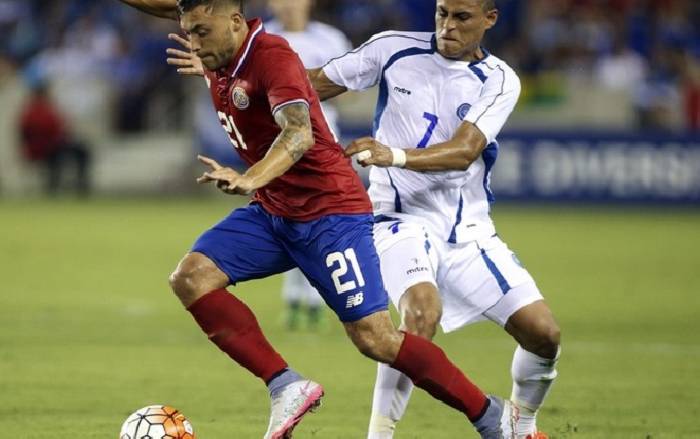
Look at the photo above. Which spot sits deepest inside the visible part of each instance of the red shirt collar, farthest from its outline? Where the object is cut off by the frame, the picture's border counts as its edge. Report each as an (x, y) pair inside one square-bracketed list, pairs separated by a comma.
[(255, 28)]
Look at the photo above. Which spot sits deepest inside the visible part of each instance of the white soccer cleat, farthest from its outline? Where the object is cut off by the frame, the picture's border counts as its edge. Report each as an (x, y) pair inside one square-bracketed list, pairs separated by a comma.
[(295, 400), (507, 423)]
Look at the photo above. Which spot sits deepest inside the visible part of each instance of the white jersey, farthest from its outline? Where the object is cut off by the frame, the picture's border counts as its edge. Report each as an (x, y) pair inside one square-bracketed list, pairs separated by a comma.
[(317, 44), (423, 98)]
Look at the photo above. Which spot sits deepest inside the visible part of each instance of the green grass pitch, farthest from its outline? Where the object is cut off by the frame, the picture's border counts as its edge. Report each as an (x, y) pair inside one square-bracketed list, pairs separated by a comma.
[(89, 331)]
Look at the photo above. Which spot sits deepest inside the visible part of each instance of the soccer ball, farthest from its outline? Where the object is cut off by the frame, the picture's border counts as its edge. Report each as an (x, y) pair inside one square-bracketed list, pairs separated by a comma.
[(157, 422)]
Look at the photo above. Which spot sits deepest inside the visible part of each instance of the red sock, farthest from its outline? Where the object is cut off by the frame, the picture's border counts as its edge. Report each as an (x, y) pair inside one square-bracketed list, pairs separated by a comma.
[(430, 369), (232, 326)]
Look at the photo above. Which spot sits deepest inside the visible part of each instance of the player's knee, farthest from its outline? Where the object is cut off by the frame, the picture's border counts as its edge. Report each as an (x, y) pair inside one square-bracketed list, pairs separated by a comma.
[(421, 322), (194, 276), (421, 310), (545, 338)]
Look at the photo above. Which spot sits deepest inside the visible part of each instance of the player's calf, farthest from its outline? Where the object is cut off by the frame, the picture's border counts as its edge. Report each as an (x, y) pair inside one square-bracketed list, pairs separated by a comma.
[(534, 362), (375, 337), (195, 276)]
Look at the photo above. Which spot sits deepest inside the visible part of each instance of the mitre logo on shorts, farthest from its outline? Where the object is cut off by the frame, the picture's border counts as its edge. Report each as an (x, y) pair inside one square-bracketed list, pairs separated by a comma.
[(240, 98), (416, 270)]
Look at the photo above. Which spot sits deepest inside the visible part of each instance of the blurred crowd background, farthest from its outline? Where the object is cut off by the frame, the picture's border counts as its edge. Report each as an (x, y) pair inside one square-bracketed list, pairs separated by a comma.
[(621, 65)]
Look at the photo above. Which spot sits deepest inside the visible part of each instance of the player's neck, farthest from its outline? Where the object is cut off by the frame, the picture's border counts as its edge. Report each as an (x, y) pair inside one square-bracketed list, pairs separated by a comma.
[(476, 55), (242, 37)]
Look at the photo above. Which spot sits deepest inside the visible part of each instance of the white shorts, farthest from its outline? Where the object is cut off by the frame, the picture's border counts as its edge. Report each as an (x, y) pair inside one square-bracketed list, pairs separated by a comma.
[(478, 280)]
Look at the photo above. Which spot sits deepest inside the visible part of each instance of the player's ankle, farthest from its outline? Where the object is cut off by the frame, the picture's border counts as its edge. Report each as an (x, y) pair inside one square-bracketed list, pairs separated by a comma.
[(381, 427), (527, 420)]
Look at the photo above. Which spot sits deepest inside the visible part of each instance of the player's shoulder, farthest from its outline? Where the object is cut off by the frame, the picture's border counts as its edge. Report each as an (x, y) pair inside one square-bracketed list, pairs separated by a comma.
[(499, 71), (271, 41), (392, 40), (271, 49)]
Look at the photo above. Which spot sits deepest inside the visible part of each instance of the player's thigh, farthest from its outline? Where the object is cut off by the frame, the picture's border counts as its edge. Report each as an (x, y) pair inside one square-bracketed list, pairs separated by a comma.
[(406, 256), (514, 281), (479, 283), (244, 246), (338, 257)]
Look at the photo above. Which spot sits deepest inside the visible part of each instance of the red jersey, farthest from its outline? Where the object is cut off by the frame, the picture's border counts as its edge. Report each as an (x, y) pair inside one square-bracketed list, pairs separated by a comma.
[(265, 75), (42, 129)]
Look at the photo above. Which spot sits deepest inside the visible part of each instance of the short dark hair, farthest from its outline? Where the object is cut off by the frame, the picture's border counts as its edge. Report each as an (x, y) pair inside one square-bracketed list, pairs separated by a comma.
[(187, 5)]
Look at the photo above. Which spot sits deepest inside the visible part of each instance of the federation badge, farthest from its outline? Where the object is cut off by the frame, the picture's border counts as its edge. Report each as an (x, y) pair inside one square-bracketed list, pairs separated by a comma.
[(463, 110), (240, 98)]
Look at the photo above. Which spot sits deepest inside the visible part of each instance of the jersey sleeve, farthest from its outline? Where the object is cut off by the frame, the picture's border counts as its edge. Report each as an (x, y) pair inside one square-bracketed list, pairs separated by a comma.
[(283, 79), (358, 69), (496, 103)]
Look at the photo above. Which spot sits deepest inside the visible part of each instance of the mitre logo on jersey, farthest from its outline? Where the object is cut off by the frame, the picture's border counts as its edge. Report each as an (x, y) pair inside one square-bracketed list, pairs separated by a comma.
[(463, 110), (240, 98)]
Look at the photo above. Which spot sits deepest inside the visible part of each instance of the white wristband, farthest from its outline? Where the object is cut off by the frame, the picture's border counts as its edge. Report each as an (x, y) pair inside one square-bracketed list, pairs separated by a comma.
[(398, 159)]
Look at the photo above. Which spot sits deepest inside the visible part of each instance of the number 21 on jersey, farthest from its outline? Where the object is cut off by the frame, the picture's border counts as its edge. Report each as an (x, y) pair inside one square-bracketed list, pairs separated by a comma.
[(230, 127)]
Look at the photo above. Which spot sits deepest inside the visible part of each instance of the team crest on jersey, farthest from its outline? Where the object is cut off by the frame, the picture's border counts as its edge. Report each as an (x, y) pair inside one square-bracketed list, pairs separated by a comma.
[(463, 110), (240, 98)]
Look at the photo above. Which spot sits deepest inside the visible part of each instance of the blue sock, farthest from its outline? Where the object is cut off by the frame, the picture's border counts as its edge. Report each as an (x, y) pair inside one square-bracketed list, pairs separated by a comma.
[(282, 380), (492, 416)]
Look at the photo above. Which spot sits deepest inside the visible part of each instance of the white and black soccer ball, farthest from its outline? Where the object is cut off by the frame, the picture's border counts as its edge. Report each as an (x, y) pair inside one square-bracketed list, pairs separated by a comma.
[(157, 422)]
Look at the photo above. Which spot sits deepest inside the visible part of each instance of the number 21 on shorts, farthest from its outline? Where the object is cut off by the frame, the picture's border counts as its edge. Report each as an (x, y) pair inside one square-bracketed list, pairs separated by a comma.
[(338, 261)]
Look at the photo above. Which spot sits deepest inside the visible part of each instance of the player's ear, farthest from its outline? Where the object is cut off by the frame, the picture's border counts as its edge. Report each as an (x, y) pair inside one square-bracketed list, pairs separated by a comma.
[(238, 20), (491, 18)]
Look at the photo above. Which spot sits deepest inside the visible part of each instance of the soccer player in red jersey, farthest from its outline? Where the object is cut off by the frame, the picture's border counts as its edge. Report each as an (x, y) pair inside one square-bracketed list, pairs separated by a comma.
[(309, 210)]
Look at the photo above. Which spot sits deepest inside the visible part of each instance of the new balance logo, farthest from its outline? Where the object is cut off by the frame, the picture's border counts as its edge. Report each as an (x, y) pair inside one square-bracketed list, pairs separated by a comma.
[(402, 90), (354, 300)]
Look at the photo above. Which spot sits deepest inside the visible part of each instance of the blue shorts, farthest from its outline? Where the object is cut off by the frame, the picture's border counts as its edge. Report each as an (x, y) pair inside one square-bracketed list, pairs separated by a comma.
[(335, 252)]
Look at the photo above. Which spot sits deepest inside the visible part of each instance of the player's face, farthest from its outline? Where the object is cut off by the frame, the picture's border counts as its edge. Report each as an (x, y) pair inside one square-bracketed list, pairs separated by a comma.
[(215, 34), (460, 26)]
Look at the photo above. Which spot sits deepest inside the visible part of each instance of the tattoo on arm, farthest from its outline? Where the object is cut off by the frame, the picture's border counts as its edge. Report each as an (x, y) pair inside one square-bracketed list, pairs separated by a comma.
[(297, 134)]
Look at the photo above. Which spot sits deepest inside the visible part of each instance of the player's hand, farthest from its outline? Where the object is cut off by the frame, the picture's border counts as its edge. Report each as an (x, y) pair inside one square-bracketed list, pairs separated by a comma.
[(187, 62), (370, 152), (227, 179)]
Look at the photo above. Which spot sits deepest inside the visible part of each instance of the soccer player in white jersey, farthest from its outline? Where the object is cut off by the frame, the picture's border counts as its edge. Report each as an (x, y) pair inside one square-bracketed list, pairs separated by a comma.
[(292, 21), (442, 101)]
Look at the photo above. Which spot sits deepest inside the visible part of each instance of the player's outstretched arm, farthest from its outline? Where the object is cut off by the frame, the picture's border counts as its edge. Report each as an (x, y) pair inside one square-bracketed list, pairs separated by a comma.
[(456, 154), (159, 8), (325, 88), (295, 139), (291, 144)]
